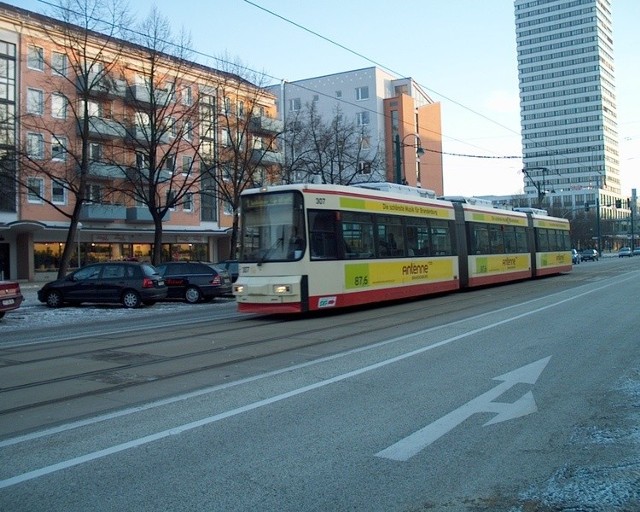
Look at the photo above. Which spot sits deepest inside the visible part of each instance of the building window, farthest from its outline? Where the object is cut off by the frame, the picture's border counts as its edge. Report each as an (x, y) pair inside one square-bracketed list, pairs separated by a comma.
[(187, 204), (58, 192), (188, 131), (94, 109), (35, 190), (364, 167), (93, 193), (35, 58), (95, 152), (142, 162), (172, 127), (240, 109), (187, 163), (187, 96), (362, 118), (58, 148), (58, 106), (35, 146), (362, 93), (295, 104), (338, 94), (58, 64), (35, 102), (170, 162)]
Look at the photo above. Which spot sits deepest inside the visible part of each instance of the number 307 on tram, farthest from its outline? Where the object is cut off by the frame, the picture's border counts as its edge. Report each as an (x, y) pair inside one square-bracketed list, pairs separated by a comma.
[(311, 247)]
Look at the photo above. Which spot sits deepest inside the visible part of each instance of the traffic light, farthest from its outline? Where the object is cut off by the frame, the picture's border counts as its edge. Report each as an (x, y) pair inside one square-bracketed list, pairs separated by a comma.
[(586, 207)]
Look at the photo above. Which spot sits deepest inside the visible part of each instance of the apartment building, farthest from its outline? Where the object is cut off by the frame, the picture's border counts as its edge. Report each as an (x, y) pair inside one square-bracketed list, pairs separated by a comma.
[(131, 127), (403, 124), (568, 104)]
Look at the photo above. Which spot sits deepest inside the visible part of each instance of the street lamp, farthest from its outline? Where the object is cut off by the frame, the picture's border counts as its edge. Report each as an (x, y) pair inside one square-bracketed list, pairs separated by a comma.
[(78, 228), (399, 145)]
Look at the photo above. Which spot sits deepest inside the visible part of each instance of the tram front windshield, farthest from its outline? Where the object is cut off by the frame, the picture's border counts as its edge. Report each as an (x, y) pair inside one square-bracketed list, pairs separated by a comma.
[(272, 227)]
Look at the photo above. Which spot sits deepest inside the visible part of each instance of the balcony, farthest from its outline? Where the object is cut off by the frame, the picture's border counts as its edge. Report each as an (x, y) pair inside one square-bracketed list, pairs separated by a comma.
[(102, 128), (142, 215), (102, 212), (140, 93), (264, 157), (103, 86), (141, 135), (108, 171), (264, 124)]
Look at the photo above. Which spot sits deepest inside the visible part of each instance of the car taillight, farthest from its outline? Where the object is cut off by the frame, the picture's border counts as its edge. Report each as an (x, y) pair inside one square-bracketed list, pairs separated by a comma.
[(147, 283), (216, 281)]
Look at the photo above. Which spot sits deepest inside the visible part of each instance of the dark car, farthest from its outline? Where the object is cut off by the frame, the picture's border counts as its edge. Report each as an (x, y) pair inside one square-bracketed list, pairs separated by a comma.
[(10, 296), (195, 281), (231, 266), (125, 282), (589, 255)]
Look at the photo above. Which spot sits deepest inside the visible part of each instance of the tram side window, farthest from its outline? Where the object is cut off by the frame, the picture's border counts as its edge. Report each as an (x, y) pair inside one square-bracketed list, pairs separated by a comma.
[(496, 240), (322, 235), (418, 242), (390, 236), (566, 240), (522, 244), (357, 234), (479, 235), (510, 245), (441, 238), (542, 238)]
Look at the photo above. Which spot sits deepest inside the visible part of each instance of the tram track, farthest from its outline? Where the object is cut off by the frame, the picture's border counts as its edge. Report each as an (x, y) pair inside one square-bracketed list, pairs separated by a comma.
[(131, 356), (156, 363)]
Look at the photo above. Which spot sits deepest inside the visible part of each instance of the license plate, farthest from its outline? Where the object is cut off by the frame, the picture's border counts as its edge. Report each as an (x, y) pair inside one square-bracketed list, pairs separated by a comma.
[(8, 302), (160, 283)]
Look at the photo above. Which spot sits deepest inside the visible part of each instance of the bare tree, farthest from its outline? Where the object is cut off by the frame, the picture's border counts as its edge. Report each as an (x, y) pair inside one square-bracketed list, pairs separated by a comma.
[(57, 147), (335, 151), (246, 153), (162, 109)]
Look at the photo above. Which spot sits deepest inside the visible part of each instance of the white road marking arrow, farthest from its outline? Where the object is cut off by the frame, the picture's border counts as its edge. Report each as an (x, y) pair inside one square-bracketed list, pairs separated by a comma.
[(406, 448)]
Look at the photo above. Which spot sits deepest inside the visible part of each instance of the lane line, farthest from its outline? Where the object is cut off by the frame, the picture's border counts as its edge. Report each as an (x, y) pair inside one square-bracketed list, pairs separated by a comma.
[(30, 475), (212, 389)]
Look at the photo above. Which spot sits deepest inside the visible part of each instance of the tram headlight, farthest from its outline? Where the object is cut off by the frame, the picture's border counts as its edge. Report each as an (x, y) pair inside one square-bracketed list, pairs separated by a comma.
[(280, 289)]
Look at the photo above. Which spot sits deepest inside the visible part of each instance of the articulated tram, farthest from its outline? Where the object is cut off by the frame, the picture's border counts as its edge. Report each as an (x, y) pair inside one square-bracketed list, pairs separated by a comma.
[(311, 247)]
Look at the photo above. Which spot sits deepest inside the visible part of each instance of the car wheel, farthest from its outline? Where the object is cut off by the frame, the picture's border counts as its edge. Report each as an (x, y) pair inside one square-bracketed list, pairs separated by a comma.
[(2, 314), (192, 295), (131, 299), (54, 299)]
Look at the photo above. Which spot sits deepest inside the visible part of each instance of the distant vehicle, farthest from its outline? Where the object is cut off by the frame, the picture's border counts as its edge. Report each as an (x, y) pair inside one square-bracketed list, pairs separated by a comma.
[(195, 281), (625, 251), (125, 282), (575, 257), (589, 255), (636, 251), (10, 296), (231, 266)]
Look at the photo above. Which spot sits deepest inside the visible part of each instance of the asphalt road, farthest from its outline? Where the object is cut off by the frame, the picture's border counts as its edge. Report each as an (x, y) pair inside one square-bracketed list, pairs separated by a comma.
[(517, 398)]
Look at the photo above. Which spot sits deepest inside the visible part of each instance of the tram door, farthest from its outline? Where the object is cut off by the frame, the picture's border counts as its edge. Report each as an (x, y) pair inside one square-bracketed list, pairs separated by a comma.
[(5, 270)]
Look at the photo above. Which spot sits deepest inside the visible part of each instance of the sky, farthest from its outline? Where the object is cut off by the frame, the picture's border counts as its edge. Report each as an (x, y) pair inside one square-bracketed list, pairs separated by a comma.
[(462, 52)]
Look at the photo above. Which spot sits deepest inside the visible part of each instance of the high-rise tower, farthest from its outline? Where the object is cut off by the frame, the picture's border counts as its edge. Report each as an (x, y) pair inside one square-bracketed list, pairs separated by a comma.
[(568, 102)]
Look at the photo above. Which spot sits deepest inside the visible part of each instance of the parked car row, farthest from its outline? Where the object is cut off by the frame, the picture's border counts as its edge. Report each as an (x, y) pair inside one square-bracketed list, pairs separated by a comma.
[(628, 252), (133, 283)]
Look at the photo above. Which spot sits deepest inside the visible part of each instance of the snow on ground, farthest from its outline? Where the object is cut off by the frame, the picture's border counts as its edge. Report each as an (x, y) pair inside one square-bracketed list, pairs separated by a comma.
[(33, 313)]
